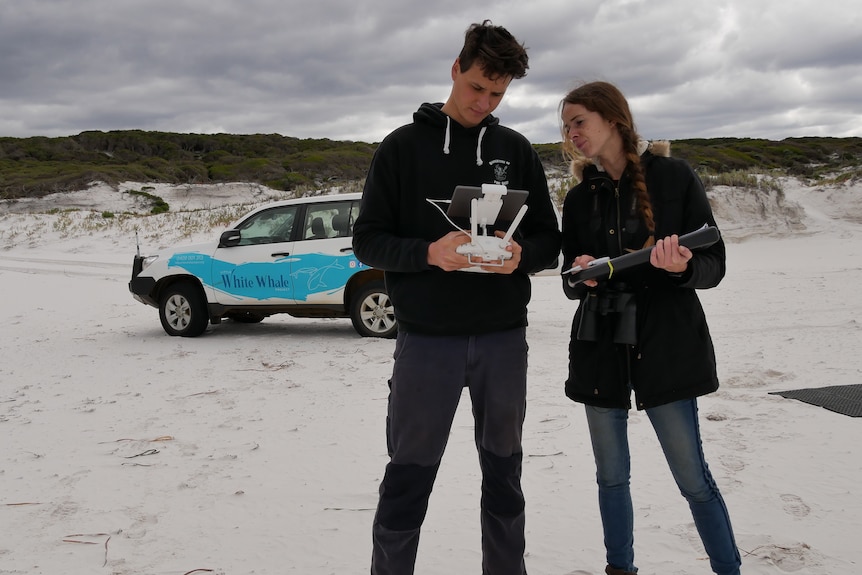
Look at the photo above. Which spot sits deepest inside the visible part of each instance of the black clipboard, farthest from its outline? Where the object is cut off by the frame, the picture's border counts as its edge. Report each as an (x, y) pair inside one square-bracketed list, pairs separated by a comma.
[(463, 195), (604, 268)]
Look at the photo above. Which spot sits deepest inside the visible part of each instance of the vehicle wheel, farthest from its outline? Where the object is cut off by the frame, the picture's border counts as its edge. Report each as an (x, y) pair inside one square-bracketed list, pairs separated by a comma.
[(245, 317), (183, 311), (372, 313)]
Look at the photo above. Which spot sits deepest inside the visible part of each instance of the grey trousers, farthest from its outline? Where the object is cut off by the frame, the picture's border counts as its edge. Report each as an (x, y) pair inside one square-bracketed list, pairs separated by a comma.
[(429, 374)]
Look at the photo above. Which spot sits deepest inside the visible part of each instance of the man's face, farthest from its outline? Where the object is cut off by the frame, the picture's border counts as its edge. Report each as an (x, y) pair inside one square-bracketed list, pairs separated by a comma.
[(474, 95)]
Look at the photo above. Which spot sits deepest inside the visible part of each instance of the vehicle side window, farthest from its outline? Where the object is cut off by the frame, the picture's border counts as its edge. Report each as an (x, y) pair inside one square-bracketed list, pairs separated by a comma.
[(271, 226), (330, 220), (354, 213)]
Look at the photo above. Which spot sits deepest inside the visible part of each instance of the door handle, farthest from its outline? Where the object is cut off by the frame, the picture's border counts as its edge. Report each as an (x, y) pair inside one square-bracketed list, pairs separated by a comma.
[(279, 254), (346, 250)]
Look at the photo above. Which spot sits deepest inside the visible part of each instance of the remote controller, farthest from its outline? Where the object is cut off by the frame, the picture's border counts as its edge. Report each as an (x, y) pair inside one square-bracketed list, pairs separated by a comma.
[(484, 249)]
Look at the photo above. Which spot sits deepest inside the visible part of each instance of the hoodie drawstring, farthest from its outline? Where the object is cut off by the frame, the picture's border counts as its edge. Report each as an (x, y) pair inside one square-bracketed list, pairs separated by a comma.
[(478, 144)]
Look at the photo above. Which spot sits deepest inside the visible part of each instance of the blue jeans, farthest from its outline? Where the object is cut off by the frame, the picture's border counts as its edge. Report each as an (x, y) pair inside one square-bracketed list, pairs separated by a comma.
[(678, 431)]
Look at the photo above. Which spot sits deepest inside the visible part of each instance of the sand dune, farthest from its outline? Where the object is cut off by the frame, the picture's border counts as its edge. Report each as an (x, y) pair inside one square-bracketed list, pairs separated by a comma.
[(258, 449)]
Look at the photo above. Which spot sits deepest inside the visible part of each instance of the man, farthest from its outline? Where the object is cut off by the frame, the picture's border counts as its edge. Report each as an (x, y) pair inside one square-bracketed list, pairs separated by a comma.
[(456, 328)]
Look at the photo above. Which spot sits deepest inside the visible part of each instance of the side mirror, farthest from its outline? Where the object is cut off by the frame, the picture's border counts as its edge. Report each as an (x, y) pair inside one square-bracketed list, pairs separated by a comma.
[(229, 239)]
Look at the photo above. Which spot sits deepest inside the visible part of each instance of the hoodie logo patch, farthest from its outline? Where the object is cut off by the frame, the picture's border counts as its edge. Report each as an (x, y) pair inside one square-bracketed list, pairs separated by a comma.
[(501, 171)]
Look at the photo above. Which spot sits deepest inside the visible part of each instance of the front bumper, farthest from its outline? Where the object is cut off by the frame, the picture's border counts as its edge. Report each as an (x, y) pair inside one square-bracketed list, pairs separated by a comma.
[(142, 288)]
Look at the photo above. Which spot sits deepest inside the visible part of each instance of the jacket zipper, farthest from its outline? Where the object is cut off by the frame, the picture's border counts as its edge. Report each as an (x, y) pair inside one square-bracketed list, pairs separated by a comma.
[(628, 348), (619, 221)]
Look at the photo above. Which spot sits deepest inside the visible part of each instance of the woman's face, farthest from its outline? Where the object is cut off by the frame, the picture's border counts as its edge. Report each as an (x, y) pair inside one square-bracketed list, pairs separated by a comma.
[(594, 136)]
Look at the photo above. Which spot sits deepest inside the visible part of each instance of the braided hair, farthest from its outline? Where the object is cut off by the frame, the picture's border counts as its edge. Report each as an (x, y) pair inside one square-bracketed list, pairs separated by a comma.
[(607, 100)]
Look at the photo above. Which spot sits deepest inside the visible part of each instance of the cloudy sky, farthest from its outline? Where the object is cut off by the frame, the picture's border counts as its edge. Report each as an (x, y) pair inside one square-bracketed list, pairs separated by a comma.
[(355, 70)]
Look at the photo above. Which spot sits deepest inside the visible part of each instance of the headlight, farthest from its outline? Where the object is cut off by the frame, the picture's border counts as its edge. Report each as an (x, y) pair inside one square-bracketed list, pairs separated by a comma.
[(145, 263)]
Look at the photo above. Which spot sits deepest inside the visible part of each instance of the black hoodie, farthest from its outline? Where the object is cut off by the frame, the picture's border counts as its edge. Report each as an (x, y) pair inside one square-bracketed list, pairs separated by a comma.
[(426, 160)]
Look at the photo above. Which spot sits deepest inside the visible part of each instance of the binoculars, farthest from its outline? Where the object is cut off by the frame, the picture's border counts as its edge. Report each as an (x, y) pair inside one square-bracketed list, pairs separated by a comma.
[(613, 309)]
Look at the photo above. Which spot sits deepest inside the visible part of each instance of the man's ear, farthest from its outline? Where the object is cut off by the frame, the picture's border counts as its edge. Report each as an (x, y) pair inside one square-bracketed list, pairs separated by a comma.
[(456, 68)]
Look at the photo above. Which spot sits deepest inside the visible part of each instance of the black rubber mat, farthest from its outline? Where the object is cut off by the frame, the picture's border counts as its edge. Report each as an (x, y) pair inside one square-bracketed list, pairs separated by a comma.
[(843, 399)]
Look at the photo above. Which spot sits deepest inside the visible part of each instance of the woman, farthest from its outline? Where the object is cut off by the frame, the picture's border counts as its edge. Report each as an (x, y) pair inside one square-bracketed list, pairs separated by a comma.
[(644, 329)]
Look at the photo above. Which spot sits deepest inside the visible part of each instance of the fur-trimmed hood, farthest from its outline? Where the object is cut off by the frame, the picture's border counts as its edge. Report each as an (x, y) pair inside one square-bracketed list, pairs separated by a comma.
[(656, 147)]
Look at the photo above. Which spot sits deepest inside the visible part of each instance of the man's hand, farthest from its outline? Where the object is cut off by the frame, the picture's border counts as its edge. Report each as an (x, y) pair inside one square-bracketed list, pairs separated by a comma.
[(443, 255), (509, 265)]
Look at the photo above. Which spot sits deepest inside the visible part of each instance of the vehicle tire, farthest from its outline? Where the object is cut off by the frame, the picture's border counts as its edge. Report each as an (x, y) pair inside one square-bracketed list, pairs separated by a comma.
[(245, 317), (372, 313), (183, 310)]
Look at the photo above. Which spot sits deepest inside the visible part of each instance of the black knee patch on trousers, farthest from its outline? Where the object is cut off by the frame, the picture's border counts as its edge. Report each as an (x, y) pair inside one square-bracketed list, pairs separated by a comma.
[(501, 483), (404, 494)]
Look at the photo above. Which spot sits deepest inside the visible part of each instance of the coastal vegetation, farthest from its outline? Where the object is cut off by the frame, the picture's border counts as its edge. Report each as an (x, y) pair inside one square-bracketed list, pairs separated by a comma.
[(36, 166)]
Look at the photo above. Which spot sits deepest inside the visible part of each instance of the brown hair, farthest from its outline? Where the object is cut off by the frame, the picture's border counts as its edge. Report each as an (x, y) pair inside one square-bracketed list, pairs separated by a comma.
[(607, 100), (495, 50)]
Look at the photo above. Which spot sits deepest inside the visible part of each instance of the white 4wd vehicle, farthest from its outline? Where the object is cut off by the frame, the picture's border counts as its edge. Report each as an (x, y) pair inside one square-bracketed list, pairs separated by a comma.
[(293, 257)]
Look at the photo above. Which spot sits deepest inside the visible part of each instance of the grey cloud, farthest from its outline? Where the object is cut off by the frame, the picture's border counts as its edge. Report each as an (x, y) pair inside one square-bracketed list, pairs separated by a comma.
[(357, 70)]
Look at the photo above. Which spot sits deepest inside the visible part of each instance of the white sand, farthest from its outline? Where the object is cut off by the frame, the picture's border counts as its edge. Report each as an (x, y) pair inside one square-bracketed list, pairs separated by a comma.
[(258, 449)]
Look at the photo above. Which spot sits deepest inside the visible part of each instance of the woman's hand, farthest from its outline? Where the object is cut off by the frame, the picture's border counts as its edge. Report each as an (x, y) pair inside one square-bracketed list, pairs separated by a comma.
[(582, 262), (670, 256)]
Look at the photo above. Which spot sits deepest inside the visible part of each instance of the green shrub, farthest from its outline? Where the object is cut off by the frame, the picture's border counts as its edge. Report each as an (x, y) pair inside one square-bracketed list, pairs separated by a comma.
[(157, 204)]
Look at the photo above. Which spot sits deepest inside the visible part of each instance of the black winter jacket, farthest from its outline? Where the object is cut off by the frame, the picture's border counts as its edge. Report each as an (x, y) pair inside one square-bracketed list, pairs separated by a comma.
[(672, 356), (426, 160)]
